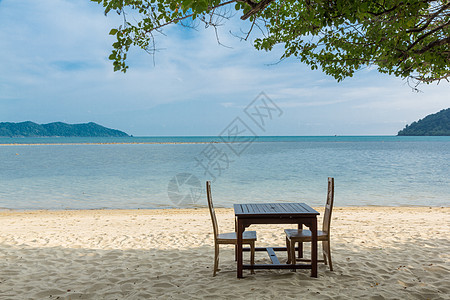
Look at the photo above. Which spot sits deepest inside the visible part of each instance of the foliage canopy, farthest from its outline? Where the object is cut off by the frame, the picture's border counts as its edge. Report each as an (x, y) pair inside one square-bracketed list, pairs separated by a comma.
[(406, 38)]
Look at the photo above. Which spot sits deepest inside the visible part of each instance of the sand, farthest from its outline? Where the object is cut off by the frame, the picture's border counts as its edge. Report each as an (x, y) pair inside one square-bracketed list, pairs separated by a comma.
[(377, 252)]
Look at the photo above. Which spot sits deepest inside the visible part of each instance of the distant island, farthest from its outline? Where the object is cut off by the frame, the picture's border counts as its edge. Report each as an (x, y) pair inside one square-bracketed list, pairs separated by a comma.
[(435, 124), (57, 129)]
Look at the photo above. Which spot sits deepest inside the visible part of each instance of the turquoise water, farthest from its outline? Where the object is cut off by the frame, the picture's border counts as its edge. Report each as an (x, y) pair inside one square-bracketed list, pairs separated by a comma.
[(132, 173)]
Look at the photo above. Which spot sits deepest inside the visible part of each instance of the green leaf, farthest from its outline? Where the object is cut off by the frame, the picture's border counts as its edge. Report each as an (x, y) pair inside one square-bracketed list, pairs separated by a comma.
[(339, 36)]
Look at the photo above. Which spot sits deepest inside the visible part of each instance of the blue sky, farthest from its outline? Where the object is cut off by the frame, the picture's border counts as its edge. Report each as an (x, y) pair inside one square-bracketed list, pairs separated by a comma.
[(54, 67)]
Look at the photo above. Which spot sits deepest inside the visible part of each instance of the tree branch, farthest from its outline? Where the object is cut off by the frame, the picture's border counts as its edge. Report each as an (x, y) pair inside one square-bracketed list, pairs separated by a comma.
[(430, 19), (257, 8), (190, 15), (427, 34), (250, 3), (433, 44)]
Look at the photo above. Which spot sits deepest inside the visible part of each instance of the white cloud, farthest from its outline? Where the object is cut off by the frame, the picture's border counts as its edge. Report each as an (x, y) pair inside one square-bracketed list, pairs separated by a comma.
[(54, 66)]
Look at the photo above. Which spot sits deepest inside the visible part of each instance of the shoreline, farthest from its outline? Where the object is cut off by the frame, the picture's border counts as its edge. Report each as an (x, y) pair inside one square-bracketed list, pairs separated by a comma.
[(189, 209)]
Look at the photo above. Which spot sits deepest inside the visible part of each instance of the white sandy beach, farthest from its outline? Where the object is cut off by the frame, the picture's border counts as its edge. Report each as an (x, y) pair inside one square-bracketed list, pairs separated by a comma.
[(378, 253)]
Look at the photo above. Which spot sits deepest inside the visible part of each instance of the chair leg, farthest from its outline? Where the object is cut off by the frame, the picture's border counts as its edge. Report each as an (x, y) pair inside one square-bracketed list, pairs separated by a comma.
[(327, 250), (216, 259), (292, 250), (300, 249), (288, 249), (324, 252), (252, 255)]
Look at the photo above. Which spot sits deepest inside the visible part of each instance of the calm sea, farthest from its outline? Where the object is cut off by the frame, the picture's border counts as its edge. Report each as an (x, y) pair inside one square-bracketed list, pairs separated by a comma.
[(165, 172)]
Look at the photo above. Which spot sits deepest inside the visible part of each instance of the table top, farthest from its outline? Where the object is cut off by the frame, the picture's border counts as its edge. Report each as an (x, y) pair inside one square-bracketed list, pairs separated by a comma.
[(274, 209)]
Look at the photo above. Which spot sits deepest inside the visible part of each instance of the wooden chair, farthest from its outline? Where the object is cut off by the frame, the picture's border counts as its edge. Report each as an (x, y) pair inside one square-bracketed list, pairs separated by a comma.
[(303, 236), (249, 237)]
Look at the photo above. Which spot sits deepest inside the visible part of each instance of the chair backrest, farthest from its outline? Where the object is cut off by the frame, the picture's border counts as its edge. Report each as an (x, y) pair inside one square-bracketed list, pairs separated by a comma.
[(211, 210), (328, 206)]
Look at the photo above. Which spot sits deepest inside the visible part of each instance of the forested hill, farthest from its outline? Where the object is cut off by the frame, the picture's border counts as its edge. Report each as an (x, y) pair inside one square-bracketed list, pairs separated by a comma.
[(435, 124), (30, 129)]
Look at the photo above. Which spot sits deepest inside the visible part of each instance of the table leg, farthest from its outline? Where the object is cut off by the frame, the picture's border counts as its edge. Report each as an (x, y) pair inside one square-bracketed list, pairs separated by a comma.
[(300, 244), (235, 246), (239, 232), (314, 247)]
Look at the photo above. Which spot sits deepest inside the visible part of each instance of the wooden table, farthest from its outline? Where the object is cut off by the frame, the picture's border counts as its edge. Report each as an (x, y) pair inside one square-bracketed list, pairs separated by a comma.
[(275, 213)]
